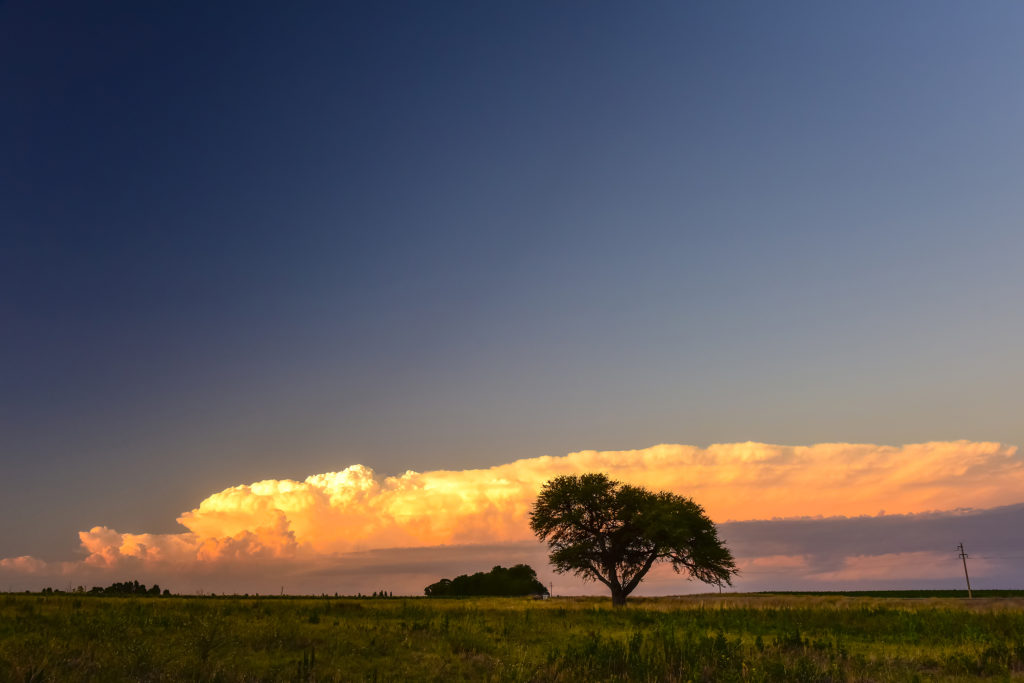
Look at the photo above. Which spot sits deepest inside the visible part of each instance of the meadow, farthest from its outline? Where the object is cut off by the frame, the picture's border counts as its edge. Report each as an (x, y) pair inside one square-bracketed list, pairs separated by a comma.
[(761, 637)]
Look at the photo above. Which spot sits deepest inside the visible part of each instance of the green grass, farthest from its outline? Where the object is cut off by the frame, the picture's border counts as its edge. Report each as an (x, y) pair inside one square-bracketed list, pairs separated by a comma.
[(767, 637), (962, 593)]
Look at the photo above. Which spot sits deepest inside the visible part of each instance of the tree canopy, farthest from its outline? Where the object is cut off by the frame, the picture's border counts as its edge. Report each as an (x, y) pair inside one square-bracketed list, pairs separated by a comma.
[(126, 588), (604, 530), (518, 580)]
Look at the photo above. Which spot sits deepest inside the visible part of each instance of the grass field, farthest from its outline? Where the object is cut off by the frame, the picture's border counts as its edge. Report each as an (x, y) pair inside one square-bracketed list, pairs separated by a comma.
[(763, 637)]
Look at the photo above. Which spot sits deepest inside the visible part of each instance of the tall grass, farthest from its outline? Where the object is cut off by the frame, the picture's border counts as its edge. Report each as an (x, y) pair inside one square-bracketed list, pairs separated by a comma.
[(701, 638)]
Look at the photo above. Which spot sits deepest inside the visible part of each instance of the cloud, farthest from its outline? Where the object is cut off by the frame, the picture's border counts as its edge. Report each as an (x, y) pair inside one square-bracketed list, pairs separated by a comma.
[(771, 563), (884, 551), (835, 553), (25, 564), (302, 527), (890, 567)]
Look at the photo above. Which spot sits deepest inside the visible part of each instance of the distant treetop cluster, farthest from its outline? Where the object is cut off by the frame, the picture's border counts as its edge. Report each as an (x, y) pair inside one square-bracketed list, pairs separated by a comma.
[(518, 580), (119, 588), (128, 588)]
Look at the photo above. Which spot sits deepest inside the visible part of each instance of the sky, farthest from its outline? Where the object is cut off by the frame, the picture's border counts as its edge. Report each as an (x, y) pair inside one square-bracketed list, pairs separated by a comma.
[(317, 248)]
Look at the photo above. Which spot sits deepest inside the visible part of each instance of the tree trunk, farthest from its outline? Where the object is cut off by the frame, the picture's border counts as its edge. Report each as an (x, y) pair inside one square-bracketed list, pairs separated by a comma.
[(618, 597)]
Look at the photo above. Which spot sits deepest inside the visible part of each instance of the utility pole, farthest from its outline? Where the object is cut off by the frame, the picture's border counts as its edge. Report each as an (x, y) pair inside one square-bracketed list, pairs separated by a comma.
[(963, 557)]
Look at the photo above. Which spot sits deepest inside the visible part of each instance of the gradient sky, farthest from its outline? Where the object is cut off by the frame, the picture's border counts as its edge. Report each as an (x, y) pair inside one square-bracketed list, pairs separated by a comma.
[(243, 243)]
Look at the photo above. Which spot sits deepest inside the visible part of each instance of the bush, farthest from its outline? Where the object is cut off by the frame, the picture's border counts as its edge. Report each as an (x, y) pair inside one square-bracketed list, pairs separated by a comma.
[(518, 580)]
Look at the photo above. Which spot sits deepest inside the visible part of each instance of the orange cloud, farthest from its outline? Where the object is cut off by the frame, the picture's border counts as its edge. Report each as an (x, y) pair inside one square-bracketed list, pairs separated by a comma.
[(25, 564), (354, 510)]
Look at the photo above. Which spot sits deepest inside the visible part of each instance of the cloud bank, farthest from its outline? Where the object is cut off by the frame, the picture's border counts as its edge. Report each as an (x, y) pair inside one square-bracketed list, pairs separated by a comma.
[(328, 521)]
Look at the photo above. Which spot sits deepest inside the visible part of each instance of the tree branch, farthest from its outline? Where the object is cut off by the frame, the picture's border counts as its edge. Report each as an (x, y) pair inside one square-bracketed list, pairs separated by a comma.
[(635, 581), (590, 565)]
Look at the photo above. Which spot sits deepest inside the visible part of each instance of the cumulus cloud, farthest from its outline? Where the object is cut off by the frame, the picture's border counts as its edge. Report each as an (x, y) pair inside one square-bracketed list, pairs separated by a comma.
[(24, 563), (832, 553), (332, 517)]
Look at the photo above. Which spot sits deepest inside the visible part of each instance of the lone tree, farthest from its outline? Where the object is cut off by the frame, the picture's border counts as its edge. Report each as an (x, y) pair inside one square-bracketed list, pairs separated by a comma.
[(604, 530)]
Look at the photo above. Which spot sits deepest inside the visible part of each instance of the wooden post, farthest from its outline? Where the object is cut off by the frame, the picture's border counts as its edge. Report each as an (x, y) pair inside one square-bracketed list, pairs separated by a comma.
[(963, 557)]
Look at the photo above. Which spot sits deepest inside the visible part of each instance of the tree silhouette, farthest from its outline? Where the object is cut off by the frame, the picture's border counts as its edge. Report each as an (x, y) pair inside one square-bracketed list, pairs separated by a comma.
[(604, 530), (125, 588), (518, 580)]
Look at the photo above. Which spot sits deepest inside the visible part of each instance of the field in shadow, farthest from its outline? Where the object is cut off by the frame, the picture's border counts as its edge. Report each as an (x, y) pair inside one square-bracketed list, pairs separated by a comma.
[(710, 638)]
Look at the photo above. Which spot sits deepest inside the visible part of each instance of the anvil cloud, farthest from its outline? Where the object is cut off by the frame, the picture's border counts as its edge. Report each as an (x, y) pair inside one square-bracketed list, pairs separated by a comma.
[(331, 515)]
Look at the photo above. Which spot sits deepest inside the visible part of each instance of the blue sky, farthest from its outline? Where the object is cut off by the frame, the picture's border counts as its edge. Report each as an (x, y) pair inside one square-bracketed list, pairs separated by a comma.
[(268, 242)]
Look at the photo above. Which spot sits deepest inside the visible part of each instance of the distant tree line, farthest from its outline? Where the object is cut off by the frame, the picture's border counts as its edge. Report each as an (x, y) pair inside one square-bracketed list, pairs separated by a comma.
[(118, 588), (518, 580), (127, 588)]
